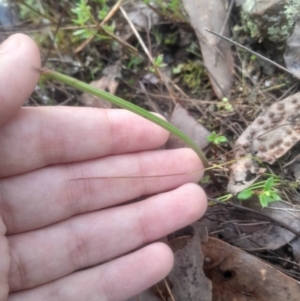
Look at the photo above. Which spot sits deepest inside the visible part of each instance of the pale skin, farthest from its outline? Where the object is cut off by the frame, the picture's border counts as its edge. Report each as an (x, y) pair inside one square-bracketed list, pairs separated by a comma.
[(81, 240)]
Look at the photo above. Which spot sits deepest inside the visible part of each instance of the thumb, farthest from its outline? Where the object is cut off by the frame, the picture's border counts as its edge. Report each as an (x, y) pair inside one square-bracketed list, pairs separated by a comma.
[(19, 61)]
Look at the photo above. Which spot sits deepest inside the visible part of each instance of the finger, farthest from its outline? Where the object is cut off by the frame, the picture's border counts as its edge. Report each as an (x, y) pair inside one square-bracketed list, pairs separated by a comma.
[(45, 136), (117, 280), (4, 262), (47, 196), (20, 60), (47, 254)]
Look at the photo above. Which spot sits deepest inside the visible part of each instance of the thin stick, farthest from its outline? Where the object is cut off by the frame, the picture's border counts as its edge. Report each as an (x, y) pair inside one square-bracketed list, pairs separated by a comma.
[(146, 51), (213, 167), (169, 290), (226, 19), (253, 52), (271, 219), (137, 36)]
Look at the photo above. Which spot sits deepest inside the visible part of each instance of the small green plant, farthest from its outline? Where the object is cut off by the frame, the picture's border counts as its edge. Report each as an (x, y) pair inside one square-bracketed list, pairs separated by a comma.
[(190, 73), (171, 39), (134, 62), (268, 194), (170, 9), (84, 18), (157, 35), (82, 11), (225, 105), (26, 10), (102, 13), (205, 179), (216, 139), (158, 62)]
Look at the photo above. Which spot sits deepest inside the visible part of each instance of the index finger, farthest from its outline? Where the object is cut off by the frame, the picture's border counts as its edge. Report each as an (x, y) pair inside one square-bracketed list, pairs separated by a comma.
[(43, 136), (20, 60)]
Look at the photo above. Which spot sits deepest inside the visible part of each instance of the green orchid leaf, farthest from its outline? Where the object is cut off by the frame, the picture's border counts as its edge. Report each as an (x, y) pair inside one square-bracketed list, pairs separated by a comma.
[(49, 74)]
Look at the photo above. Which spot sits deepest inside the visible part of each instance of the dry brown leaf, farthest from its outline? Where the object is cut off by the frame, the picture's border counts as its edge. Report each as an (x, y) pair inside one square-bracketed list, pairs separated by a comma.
[(108, 82), (216, 53), (268, 138), (295, 244), (189, 126), (187, 279), (250, 235), (254, 232), (141, 14), (237, 275)]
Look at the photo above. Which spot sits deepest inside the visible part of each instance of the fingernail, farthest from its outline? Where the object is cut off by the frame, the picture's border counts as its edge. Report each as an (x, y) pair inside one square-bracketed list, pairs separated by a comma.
[(9, 44)]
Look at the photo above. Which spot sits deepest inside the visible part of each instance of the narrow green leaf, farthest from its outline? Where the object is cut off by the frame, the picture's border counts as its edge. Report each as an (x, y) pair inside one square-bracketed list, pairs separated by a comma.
[(49, 74)]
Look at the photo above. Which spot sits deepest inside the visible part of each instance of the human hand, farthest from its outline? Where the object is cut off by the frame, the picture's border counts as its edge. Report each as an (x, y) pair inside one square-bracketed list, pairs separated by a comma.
[(51, 227)]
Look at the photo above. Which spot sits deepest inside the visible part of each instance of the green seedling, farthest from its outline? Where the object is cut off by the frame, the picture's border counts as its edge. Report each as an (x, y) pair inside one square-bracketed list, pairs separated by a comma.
[(157, 35), (268, 194), (190, 73), (225, 105), (84, 18), (102, 13), (205, 179), (27, 10), (216, 139), (134, 62), (158, 62), (170, 9), (82, 12), (170, 39)]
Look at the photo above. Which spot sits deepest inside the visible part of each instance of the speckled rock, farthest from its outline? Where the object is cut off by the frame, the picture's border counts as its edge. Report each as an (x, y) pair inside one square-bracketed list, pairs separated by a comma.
[(271, 20), (274, 132)]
